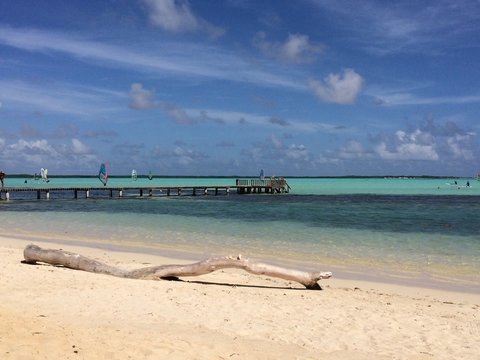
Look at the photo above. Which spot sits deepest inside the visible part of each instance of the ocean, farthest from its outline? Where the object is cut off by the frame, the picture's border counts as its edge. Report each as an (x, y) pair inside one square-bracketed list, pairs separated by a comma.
[(412, 231)]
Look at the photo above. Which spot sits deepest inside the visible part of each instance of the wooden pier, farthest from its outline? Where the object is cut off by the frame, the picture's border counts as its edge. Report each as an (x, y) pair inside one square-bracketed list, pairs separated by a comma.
[(88, 192), (268, 186), (242, 186)]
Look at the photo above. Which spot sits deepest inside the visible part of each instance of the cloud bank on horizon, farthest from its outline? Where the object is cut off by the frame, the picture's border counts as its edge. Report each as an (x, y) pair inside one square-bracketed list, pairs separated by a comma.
[(315, 88)]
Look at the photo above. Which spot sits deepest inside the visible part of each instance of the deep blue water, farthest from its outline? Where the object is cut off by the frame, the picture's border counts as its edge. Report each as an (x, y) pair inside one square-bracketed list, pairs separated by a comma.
[(455, 215)]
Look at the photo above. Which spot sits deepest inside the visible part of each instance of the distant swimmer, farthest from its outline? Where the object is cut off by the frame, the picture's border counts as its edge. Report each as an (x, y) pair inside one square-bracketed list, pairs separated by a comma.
[(468, 184)]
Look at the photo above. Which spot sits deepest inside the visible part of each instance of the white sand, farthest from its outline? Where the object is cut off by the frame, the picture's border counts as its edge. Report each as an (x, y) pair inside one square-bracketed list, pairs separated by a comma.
[(50, 312)]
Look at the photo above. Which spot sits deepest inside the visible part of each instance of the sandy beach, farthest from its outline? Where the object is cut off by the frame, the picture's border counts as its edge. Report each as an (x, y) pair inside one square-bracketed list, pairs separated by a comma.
[(51, 312)]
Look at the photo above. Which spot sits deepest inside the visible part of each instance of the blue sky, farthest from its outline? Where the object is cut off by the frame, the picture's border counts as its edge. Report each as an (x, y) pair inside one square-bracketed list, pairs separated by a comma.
[(207, 87)]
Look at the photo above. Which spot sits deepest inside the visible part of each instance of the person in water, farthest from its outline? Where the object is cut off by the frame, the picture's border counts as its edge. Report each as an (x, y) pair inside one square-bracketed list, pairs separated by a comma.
[(2, 177), (468, 184)]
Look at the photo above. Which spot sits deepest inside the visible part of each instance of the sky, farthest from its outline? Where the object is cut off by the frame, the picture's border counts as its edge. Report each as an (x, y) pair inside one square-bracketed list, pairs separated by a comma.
[(226, 88)]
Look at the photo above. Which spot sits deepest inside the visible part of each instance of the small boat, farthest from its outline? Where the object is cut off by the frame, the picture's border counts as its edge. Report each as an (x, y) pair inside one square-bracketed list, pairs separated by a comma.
[(134, 175), (150, 175)]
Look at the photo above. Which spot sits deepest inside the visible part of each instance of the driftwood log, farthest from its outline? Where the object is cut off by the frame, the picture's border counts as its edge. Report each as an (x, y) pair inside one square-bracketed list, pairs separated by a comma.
[(34, 254)]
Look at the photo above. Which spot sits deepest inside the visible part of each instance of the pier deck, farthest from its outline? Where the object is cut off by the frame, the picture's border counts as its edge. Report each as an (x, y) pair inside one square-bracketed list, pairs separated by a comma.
[(103, 191), (243, 186)]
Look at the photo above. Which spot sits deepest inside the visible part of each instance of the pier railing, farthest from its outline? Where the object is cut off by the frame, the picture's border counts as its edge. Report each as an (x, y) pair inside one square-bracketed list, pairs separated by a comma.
[(270, 185)]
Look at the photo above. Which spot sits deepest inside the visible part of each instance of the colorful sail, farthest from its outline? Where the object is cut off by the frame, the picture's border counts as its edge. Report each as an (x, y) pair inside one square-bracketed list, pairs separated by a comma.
[(103, 174), (44, 174)]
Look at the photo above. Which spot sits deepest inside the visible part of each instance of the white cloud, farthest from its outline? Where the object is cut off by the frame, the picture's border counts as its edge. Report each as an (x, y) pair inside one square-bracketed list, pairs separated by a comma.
[(241, 118), (278, 121), (389, 98), (383, 28), (172, 15), (175, 113), (58, 157), (140, 98), (274, 152), (36, 154), (430, 142), (186, 156), (39, 146), (417, 145), (338, 88), (408, 151), (59, 97), (297, 153), (352, 150), (174, 59), (459, 146), (296, 49), (80, 148), (177, 16)]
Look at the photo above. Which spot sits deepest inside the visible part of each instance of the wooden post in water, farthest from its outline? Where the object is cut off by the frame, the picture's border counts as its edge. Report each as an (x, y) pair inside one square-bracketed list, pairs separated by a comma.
[(141, 192), (75, 194), (47, 193), (38, 194), (87, 194), (120, 193)]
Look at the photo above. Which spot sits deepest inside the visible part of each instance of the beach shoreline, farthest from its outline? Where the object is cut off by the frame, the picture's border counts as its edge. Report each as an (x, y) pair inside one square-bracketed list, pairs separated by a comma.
[(53, 312), (374, 272)]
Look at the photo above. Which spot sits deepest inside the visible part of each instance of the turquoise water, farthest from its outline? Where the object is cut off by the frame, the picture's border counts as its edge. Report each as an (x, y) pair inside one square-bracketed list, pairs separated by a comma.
[(414, 231), (300, 186)]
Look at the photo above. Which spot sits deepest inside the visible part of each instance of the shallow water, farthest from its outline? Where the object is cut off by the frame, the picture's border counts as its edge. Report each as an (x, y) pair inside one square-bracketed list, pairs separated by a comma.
[(430, 231)]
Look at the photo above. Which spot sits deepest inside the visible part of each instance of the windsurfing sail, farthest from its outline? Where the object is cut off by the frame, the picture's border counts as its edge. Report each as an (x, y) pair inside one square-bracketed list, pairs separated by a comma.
[(150, 175), (103, 174), (134, 175), (44, 174), (262, 175)]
